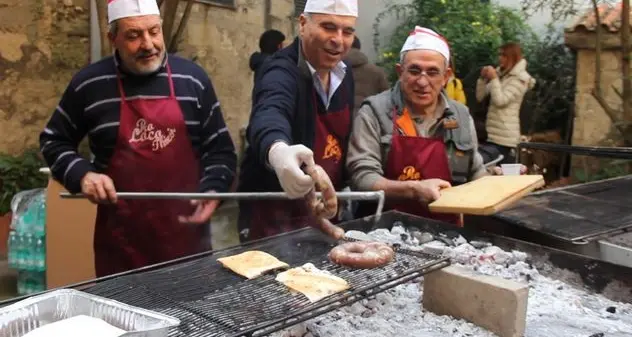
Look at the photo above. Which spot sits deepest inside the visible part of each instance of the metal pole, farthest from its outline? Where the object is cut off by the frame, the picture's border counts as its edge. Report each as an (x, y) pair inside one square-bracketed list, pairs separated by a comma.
[(375, 195)]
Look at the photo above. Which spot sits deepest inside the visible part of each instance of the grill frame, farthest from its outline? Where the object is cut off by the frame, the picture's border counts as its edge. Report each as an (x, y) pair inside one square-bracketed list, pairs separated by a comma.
[(136, 289), (540, 215)]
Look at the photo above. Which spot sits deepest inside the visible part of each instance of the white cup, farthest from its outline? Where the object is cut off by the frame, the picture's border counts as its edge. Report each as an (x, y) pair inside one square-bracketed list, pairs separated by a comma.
[(511, 169)]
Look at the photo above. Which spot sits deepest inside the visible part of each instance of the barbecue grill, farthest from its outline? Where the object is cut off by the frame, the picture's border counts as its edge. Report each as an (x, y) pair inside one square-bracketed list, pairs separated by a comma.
[(213, 301), (584, 218)]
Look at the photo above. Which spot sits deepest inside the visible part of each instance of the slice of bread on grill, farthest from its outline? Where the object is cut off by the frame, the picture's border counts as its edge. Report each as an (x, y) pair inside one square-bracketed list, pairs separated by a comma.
[(252, 264), (312, 282)]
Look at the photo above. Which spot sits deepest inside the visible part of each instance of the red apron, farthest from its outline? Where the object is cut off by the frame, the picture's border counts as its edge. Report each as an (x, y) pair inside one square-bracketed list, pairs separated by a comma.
[(271, 217), (153, 153), (417, 158)]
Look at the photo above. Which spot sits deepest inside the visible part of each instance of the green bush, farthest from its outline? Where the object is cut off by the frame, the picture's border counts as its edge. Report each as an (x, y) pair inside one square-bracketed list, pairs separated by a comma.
[(475, 30), (18, 174)]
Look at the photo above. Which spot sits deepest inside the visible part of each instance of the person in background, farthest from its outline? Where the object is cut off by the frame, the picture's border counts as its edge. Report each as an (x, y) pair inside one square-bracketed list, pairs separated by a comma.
[(270, 42), (301, 115), (369, 79), (506, 87), (154, 125), (454, 87), (412, 141)]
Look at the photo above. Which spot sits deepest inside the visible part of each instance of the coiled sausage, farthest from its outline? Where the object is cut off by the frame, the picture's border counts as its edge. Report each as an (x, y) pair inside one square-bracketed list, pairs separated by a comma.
[(362, 255), (327, 207)]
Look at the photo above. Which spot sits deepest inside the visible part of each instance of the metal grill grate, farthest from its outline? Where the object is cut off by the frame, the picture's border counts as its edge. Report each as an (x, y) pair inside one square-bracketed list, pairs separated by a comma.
[(578, 212), (212, 301)]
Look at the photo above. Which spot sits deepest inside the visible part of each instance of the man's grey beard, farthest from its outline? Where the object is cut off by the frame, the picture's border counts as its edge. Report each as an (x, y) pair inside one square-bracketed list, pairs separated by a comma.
[(146, 70)]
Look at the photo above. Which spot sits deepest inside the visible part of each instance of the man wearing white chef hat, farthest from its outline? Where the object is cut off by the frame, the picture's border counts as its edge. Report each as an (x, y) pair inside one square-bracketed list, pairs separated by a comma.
[(412, 140), (154, 125), (301, 115)]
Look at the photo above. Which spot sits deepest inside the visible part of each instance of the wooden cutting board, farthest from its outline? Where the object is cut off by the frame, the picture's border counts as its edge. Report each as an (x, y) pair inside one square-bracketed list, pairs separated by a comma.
[(487, 195)]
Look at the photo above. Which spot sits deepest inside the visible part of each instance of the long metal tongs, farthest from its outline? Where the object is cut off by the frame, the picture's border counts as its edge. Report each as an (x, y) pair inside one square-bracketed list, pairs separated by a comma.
[(375, 195)]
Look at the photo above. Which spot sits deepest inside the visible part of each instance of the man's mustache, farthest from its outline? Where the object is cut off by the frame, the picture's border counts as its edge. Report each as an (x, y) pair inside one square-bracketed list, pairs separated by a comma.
[(146, 53)]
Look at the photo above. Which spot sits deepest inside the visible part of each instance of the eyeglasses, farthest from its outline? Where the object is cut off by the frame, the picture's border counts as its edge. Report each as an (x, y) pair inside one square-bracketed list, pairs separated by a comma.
[(431, 74)]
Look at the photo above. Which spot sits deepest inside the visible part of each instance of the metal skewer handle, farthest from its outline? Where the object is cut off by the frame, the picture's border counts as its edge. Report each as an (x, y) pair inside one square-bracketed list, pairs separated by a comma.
[(375, 195)]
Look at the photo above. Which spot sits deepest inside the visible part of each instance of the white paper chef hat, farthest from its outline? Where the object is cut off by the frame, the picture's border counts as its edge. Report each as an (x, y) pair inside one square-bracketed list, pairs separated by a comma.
[(427, 39), (335, 7), (118, 9)]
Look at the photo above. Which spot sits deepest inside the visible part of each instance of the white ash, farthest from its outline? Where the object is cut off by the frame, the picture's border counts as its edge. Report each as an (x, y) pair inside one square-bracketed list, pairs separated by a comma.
[(554, 307)]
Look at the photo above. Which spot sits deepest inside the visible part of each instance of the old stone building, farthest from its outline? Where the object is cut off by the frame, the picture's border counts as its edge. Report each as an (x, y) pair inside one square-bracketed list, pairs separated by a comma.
[(44, 42), (592, 126)]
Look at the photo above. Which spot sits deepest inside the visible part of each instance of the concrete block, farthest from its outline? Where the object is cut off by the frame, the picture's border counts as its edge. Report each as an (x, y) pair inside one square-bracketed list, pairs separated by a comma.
[(494, 303)]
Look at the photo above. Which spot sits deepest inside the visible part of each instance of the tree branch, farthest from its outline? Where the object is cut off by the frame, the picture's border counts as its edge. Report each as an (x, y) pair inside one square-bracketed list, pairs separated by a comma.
[(173, 46), (597, 92), (625, 59), (102, 14), (169, 18)]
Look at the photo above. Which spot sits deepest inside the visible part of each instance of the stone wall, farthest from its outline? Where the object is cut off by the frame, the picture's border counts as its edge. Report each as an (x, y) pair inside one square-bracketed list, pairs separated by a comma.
[(592, 125), (42, 44), (222, 39)]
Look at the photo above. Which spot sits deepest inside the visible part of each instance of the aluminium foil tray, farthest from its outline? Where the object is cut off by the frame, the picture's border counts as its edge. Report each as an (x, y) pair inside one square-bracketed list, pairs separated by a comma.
[(22, 317)]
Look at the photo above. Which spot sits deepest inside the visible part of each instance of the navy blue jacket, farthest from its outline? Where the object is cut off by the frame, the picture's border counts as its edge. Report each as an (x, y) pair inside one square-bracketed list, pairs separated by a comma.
[(283, 109)]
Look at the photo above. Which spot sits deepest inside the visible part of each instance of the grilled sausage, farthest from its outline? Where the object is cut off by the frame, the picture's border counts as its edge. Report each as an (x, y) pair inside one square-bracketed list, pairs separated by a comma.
[(328, 206), (362, 255)]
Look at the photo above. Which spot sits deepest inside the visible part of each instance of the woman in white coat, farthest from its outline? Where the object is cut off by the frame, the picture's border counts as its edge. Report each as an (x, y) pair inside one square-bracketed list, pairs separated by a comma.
[(505, 87)]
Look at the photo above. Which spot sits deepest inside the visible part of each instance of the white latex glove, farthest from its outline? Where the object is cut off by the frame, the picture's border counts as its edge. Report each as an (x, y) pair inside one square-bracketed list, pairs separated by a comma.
[(286, 161)]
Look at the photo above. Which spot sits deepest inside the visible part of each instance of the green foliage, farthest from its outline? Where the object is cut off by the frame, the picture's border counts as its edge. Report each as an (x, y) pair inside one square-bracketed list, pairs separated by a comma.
[(607, 169), (19, 174), (553, 66), (474, 30)]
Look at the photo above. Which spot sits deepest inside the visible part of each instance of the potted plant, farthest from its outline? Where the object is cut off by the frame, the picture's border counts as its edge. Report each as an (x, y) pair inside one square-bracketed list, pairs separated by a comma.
[(17, 173)]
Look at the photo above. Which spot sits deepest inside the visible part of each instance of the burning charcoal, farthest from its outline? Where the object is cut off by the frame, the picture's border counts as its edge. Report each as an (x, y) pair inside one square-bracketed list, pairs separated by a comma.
[(382, 232), (519, 256), (433, 249), (367, 313), (413, 229), (480, 244), (397, 230), (372, 304), (446, 240), (423, 237), (355, 309), (459, 240), (451, 234), (383, 299), (358, 235), (399, 224), (611, 310), (463, 253), (298, 330)]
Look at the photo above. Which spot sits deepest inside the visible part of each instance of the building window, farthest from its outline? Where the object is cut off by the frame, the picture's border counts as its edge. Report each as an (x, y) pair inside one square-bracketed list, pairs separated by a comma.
[(221, 3), (299, 6)]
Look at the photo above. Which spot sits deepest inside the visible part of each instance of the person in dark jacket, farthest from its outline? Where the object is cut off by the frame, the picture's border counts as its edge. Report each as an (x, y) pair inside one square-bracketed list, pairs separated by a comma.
[(269, 43), (302, 107), (369, 79)]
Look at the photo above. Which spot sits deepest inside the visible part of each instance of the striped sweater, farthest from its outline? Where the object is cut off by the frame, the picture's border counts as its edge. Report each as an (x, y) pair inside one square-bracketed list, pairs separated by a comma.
[(90, 106)]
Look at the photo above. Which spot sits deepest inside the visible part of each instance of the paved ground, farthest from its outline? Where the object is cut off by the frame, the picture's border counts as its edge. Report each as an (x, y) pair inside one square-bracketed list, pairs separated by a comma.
[(8, 281)]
